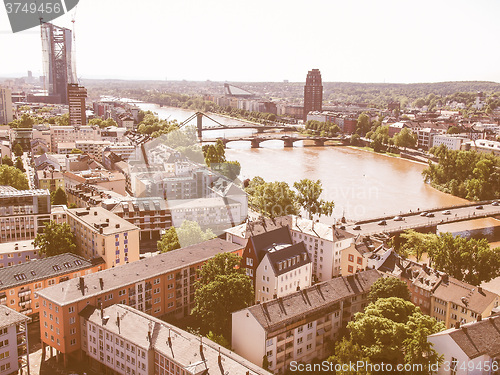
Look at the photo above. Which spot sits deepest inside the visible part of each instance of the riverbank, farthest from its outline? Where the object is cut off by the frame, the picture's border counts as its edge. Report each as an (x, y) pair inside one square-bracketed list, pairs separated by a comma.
[(388, 154)]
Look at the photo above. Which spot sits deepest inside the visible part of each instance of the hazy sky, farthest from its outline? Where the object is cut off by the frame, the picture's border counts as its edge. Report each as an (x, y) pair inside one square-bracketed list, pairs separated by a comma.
[(272, 40)]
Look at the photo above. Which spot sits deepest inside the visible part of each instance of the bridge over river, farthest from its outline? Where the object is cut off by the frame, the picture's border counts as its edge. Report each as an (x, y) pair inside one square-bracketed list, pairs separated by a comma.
[(429, 222), (288, 140)]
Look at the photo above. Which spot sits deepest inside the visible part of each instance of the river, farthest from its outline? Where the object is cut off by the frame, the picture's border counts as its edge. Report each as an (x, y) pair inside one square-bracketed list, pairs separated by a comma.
[(362, 184)]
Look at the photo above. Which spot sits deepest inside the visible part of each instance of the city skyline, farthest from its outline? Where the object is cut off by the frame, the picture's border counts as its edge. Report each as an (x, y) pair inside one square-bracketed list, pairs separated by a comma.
[(385, 41)]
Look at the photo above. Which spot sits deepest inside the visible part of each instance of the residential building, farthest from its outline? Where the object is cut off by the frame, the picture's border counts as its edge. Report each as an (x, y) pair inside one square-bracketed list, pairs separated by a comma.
[(151, 215), (49, 180), (455, 301), (240, 234), (102, 234), (482, 145), (12, 253), (302, 325), (65, 134), (313, 92), (283, 269), (23, 213), (111, 180), (76, 101), (162, 285), (88, 195), (14, 349), (469, 349), (425, 136), (20, 283), (325, 245), (5, 106), (124, 340), (452, 142)]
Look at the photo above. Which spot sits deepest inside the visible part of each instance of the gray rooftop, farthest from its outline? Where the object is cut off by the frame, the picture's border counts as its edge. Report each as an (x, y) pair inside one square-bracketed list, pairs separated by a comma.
[(9, 317), (98, 217), (39, 269), (117, 277), (184, 349), (18, 246), (294, 307)]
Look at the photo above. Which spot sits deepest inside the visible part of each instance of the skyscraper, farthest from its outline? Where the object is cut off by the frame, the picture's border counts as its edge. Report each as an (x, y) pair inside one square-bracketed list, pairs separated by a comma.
[(76, 101), (5, 106), (313, 92), (58, 61)]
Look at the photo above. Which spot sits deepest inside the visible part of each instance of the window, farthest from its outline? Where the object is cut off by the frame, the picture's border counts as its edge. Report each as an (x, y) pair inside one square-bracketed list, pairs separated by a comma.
[(249, 262), (309, 325), (72, 320), (71, 310), (300, 329), (360, 260), (299, 340), (351, 258), (269, 342), (350, 269), (269, 353), (453, 366), (299, 351)]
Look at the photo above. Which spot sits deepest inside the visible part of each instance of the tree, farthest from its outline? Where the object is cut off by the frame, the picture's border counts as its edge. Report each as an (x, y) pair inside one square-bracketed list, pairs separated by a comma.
[(189, 233), (394, 331), (219, 339), (55, 239), (11, 176), (272, 199), (386, 287), (355, 139), (416, 243), (347, 352), (58, 197), (19, 164), (308, 198), (18, 150), (221, 291), (405, 138), (7, 161), (363, 124)]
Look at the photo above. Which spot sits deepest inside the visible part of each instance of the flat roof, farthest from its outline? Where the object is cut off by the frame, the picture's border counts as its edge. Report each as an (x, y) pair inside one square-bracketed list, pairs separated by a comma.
[(10, 317), (9, 247), (99, 217)]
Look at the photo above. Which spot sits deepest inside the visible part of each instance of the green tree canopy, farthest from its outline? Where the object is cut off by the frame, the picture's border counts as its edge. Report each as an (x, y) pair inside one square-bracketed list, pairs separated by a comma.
[(272, 199), (386, 287), (221, 292), (19, 164), (55, 239), (391, 330), (18, 150), (7, 161), (58, 197), (405, 138), (189, 233), (363, 124), (11, 176), (308, 198)]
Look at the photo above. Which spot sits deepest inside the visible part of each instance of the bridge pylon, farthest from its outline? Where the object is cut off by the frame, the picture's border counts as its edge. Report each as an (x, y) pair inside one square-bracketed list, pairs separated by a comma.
[(199, 124)]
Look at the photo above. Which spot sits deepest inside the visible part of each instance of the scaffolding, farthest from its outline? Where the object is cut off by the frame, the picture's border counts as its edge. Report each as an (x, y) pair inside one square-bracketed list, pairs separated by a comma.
[(58, 60)]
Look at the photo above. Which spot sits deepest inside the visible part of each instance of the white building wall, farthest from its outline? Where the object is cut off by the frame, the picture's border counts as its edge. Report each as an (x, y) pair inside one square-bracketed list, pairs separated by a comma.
[(249, 338), (8, 344), (446, 346)]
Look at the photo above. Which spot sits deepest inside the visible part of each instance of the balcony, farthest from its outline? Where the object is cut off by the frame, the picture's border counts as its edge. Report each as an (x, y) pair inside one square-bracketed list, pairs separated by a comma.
[(148, 295), (148, 286), (24, 293), (281, 349)]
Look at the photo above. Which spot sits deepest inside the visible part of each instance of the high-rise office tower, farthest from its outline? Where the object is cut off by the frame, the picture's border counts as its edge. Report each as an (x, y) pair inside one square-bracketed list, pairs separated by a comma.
[(76, 101), (5, 106), (313, 92), (58, 60)]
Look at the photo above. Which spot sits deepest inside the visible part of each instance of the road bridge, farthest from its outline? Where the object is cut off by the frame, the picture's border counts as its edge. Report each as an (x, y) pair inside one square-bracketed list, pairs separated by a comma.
[(418, 221), (288, 140)]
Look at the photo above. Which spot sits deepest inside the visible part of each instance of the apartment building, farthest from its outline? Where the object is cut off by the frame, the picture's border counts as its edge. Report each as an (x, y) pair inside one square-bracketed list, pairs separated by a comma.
[(162, 285), (65, 134), (49, 180), (302, 325), (454, 301), (23, 213), (5, 106), (151, 215), (102, 234), (12, 253), (126, 341), (111, 180), (283, 269), (20, 283), (451, 142), (470, 348), (14, 349), (325, 245), (241, 234)]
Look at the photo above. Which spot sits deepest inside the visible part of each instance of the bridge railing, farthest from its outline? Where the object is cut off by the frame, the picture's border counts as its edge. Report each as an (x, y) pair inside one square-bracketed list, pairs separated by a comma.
[(431, 223)]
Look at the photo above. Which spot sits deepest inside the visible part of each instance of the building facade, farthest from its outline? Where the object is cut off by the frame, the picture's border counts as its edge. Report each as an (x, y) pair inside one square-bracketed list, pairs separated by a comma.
[(313, 92), (5, 106), (14, 349), (161, 286), (302, 325), (76, 101)]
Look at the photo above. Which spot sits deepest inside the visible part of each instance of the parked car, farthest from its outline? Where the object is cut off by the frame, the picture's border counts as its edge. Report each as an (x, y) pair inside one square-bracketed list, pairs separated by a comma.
[(398, 218), (430, 214), (424, 213), (447, 212), (479, 207), (382, 222), (495, 203), (357, 227)]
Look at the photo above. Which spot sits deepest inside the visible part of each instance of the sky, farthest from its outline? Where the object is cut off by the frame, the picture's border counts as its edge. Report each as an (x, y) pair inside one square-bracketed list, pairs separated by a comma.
[(396, 41)]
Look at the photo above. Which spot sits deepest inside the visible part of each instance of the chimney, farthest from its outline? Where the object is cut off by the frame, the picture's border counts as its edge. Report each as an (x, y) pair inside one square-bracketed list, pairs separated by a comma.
[(480, 290), (101, 283), (479, 317), (219, 358), (169, 342), (117, 225), (457, 325), (82, 285)]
